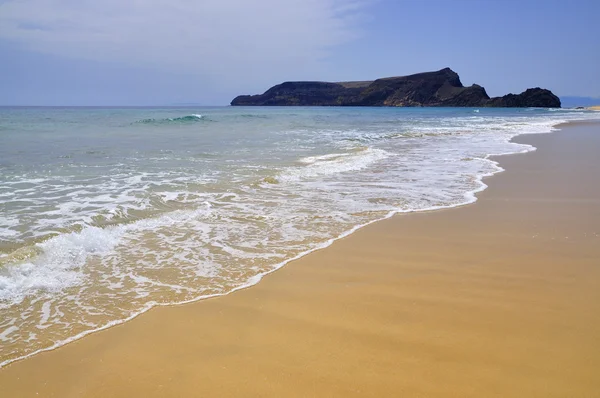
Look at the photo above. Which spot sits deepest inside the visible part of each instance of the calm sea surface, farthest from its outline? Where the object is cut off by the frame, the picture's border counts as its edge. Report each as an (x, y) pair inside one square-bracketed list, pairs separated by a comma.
[(105, 213)]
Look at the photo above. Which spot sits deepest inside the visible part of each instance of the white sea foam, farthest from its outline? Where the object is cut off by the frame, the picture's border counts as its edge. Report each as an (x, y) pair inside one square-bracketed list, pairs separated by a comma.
[(58, 265), (6, 332), (329, 164), (45, 315)]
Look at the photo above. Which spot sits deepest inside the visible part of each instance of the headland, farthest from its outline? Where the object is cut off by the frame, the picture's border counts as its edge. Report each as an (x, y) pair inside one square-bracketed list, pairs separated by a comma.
[(441, 88)]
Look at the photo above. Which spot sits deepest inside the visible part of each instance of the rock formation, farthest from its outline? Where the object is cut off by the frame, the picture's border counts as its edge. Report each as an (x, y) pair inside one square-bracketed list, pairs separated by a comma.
[(441, 88)]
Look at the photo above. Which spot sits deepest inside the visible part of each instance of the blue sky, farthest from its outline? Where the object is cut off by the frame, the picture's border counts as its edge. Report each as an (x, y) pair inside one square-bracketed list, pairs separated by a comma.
[(162, 52)]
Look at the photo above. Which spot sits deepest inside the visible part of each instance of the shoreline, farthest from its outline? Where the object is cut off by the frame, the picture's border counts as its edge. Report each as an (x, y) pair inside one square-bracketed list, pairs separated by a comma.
[(361, 234), (470, 197)]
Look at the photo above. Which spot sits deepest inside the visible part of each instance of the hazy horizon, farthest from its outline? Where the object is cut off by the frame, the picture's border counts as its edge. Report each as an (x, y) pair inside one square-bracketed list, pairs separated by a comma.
[(566, 102)]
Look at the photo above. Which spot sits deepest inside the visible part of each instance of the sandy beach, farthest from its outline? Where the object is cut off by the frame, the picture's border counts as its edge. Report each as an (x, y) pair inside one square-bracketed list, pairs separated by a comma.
[(500, 298)]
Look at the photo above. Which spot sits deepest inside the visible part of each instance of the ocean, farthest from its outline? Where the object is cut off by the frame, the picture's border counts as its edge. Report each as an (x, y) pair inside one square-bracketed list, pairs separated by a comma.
[(108, 212)]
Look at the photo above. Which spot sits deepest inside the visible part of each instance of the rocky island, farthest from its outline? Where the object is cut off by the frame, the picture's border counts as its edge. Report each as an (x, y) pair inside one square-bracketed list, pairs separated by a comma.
[(441, 88)]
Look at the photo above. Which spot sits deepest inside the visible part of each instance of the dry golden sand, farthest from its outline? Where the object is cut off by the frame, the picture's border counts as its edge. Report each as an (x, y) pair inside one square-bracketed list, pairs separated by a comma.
[(594, 108), (496, 299)]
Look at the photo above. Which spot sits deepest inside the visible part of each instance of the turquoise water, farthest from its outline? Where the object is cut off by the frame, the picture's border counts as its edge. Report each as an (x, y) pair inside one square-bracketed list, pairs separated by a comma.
[(105, 213)]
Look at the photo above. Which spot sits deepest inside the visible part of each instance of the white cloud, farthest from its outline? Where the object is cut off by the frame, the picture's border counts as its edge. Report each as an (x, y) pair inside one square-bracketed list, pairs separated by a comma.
[(218, 39)]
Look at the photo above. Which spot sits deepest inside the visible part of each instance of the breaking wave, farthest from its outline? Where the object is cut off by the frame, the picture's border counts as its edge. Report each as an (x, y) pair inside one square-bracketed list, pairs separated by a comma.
[(180, 120)]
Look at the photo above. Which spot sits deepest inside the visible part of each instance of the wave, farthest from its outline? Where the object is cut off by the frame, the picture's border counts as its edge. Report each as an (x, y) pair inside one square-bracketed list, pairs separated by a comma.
[(581, 111), (182, 119), (250, 115), (333, 163)]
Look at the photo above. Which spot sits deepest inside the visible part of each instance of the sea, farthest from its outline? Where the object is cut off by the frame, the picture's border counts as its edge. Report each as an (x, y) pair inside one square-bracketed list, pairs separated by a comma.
[(108, 212)]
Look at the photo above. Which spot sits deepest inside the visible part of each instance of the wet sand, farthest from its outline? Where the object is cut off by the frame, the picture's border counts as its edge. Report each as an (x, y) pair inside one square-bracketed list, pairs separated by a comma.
[(496, 299)]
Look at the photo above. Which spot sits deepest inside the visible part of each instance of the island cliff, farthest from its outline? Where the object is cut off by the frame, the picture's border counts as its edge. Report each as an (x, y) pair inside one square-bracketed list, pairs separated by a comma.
[(441, 88)]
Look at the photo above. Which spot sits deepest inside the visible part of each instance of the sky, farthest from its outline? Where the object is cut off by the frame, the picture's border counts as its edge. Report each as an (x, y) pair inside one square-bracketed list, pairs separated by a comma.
[(205, 52)]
